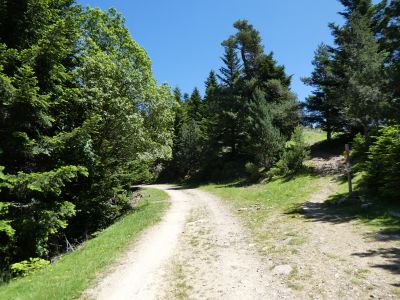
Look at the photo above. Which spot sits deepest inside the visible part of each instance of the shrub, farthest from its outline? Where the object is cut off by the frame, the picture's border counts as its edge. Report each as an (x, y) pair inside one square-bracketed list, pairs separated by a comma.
[(252, 171), (28, 267), (382, 166), (293, 156)]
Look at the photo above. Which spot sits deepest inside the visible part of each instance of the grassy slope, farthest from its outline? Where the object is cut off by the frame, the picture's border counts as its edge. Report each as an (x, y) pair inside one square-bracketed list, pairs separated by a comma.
[(256, 203), (313, 136), (377, 216), (74, 272)]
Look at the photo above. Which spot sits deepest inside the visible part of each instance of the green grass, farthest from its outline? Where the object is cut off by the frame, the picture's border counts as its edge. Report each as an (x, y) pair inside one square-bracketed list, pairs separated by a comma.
[(75, 272), (313, 136), (256, 202), (377, 216), (281, 193)]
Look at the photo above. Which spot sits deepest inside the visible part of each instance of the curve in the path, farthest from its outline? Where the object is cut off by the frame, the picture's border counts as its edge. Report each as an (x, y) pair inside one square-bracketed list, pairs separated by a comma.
[(228, 267)]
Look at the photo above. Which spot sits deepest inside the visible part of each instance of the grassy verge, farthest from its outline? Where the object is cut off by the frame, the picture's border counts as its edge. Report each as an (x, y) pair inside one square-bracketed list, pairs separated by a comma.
[(377, 214), (257, 202), (74, 273)]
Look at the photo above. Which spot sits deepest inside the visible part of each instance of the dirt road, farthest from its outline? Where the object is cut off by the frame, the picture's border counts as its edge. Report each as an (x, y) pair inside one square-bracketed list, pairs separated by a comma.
[(199, 250)]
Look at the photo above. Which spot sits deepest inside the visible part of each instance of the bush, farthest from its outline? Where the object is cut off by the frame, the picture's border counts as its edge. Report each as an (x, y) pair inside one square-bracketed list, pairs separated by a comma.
[(252, 171), (28, 267), (382, 166), (293, 156)]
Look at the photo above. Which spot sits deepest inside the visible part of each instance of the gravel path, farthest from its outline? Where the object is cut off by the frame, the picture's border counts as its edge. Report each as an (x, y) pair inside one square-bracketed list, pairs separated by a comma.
[(198, 251)]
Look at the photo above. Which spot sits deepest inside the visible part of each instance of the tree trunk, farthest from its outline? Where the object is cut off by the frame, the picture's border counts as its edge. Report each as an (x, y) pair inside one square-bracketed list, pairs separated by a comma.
[(328, 133)]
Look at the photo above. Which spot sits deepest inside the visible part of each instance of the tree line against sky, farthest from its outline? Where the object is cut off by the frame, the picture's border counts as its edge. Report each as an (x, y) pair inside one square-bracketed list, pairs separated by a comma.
[(82, 118)]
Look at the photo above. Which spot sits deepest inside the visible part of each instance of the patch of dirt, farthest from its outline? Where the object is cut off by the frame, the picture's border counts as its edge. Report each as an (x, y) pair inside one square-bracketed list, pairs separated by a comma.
[(332, 258), (139, 273), (201, 250), (218, 258), (334, 165), (198, 251)]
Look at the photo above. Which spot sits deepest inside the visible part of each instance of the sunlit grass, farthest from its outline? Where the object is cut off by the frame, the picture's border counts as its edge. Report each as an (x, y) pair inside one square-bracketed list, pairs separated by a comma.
[(75, 272), (313, 136)]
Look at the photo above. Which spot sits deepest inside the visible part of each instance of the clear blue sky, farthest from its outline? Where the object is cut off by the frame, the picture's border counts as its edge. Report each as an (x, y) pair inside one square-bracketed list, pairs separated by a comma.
[(183, 37)]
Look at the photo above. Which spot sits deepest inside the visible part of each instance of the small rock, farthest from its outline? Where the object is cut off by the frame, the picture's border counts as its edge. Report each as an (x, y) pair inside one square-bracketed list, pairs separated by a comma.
[(282, 270), (341, 201)]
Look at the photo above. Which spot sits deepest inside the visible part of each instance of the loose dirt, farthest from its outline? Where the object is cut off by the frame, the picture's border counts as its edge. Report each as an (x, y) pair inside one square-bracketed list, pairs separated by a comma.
[(198, 251), (201, 250)]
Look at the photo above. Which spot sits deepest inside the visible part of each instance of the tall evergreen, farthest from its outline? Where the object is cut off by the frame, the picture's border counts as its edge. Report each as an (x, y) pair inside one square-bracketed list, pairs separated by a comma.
[(359, 67), (231, 71), (388, 32), (253, 88), (322, 107), (194, 105)]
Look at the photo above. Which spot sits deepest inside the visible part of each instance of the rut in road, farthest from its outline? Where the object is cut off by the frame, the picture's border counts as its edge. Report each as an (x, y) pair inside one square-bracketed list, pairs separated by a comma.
[(199, 250)]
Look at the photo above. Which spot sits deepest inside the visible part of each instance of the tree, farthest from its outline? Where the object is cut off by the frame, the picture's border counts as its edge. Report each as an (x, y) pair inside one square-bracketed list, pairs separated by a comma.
[(388, 32), (194, 106), (230, 73), (211, 85), (81, 119), (265, 142), (247, 72), (322, 107), (248, 42), (359, 67)]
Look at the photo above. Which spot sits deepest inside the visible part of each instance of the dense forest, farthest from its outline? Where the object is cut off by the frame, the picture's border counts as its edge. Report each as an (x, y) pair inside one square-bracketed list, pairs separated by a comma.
[(244, 121), (82, 119)]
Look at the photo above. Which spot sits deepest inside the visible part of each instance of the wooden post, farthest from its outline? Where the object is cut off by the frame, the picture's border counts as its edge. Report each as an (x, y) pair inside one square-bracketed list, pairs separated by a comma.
[(348, 167)]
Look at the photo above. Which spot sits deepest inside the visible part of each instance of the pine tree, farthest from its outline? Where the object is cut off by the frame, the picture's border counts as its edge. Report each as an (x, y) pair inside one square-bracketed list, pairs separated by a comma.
[(265, 142), (388, 19), (322, 107), (211, 85), (194, 106), (248, 42), (359, 67), (230, 72)]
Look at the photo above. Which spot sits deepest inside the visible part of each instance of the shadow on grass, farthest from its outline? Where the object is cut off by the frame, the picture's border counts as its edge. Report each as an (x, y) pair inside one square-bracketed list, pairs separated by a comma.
[(328, 149), (339, 209)]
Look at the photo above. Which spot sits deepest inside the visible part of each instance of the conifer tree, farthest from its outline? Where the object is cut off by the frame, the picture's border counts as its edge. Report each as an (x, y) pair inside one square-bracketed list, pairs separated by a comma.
[(359, 67), (194, 106), (322, 107), (388, 19)]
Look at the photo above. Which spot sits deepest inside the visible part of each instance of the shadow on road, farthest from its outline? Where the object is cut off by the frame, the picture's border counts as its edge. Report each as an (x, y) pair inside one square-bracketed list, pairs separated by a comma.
[(338, 209)]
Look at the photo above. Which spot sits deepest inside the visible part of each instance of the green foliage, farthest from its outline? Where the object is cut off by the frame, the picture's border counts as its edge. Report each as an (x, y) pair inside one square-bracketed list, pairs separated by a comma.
[(76, 271), (322, 108), (28, 267), (382, 167), (81, 120), (247, 114), (265, 141), (293, 156), (252, 171), (357, 89)]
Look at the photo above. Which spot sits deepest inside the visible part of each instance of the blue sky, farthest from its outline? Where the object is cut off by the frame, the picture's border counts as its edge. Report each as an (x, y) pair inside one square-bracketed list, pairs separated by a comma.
[(183, 38)]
